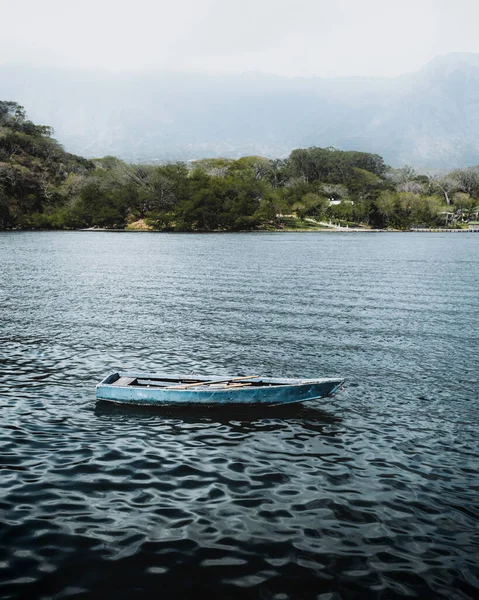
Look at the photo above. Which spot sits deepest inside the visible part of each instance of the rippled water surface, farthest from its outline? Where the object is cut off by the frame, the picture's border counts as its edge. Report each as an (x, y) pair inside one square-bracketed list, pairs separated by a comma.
[(371, 494)]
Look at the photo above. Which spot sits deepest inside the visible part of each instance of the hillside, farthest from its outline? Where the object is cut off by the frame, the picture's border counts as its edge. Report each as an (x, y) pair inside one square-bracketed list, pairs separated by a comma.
[(35, 171), (44, 187)]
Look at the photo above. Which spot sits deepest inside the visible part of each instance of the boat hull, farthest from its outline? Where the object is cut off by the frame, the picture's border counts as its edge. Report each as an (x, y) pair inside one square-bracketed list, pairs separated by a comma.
[(258, 391)]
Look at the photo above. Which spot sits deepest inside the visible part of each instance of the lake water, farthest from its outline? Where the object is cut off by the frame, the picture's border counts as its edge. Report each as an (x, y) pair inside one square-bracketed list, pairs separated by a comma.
[(371, 494)]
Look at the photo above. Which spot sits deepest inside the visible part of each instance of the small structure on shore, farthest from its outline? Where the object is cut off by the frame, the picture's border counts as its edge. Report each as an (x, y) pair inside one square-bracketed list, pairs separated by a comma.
[(473, 226)]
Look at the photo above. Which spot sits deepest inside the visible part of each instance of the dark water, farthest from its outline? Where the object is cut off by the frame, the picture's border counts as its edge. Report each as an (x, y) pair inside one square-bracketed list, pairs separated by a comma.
[(372, 494)]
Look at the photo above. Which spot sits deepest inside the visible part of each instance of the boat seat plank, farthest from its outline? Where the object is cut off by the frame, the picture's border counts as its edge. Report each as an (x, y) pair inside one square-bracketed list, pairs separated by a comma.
[(124, 381)]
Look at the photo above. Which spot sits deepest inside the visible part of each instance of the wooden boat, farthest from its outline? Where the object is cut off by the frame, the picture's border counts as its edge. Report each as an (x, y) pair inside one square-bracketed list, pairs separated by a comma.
[(176, 390)]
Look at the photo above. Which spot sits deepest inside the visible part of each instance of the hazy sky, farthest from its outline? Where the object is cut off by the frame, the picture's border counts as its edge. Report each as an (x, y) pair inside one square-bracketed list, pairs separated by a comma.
[(288, 37)]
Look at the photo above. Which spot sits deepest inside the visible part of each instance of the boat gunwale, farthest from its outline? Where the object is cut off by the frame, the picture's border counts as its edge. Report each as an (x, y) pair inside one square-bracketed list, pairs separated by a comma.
[(268, 381)]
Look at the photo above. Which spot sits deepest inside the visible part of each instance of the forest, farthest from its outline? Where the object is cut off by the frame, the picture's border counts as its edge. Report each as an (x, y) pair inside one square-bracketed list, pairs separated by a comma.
[(44, 187)]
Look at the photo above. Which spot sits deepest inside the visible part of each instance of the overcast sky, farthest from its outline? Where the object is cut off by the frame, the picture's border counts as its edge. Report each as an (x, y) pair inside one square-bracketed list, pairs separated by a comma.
[(328, 38)]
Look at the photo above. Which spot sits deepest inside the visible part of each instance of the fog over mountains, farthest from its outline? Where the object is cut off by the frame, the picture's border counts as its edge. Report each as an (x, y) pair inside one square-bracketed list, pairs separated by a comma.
[(428, 119)]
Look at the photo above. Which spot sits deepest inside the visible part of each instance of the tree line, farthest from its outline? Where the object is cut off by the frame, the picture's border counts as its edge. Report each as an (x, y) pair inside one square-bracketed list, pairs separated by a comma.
[(44, 187)]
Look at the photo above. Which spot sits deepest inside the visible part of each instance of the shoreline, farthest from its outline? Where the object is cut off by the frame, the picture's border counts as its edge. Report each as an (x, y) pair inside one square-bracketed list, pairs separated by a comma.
[(291, 230), (285, 230)]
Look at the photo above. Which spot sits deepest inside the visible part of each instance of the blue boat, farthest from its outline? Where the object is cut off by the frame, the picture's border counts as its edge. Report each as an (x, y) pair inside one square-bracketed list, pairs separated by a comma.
[(150, 389)]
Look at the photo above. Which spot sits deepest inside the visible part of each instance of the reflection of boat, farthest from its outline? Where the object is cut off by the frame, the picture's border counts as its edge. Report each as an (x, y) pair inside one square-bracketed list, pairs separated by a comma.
[(175, 390)]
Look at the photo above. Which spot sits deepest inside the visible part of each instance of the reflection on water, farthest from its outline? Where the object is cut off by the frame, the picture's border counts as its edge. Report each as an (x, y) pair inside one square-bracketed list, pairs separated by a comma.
[(370, 494), (243, 415)]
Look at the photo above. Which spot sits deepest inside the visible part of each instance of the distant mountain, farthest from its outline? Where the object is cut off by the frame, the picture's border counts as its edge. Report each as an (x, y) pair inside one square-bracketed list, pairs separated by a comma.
[(429, 119)]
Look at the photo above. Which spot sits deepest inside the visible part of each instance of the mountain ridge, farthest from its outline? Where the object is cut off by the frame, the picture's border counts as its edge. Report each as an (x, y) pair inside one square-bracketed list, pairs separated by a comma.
[(428, 118)]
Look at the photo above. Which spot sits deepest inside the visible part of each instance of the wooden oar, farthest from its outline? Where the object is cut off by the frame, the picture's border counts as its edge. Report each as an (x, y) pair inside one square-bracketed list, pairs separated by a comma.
[(190, 385), (234, 385)]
